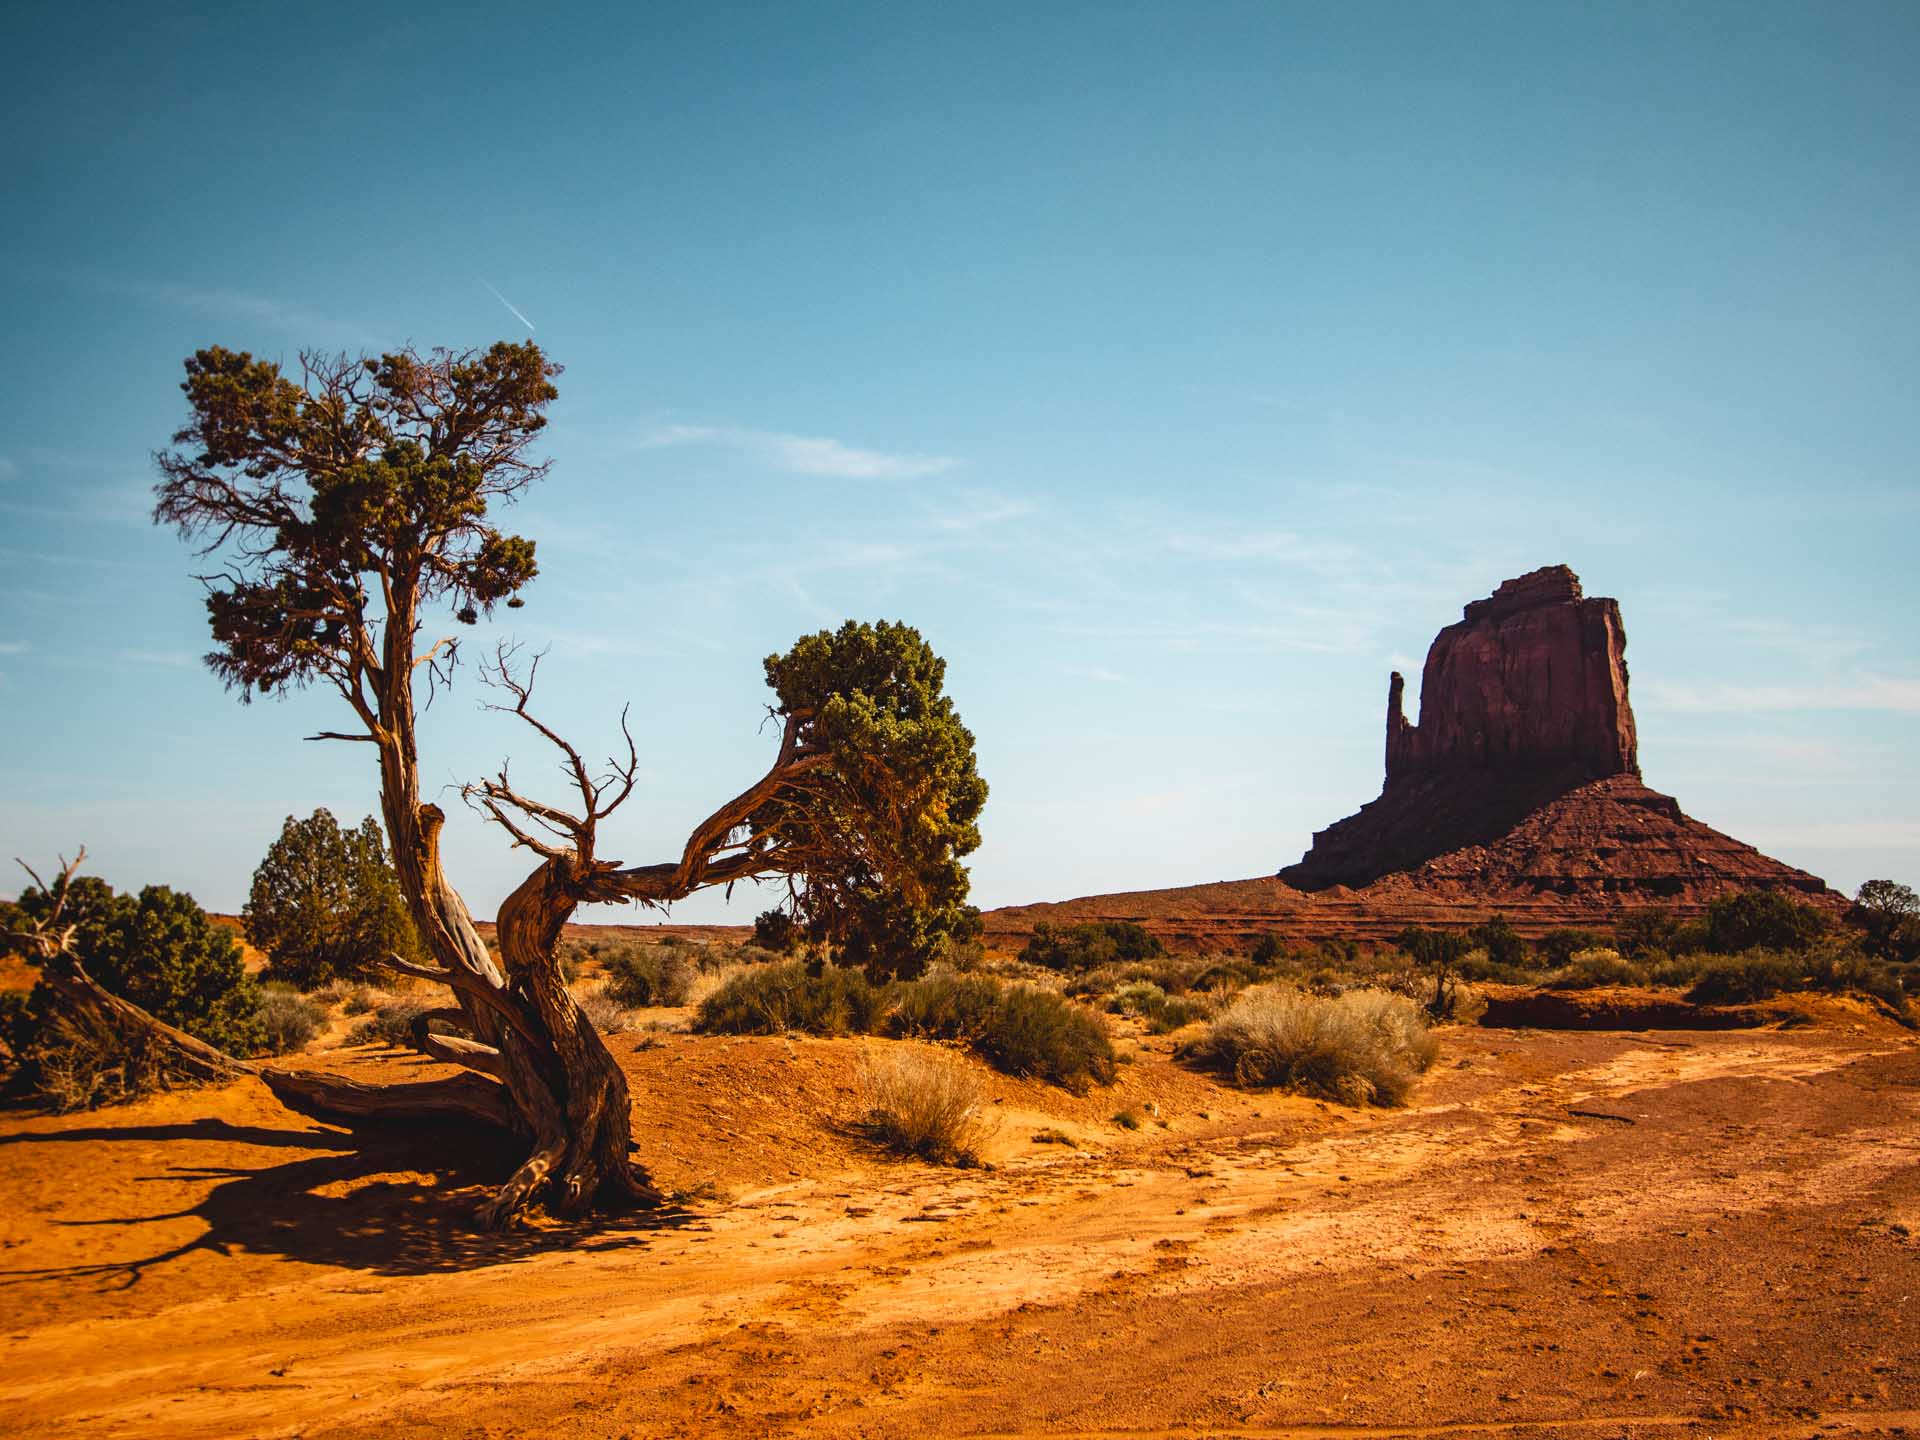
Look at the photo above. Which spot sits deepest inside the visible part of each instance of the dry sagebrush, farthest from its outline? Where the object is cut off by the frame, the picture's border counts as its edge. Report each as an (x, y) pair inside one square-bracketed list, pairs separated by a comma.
[(926, 1105), (1366, 1046)]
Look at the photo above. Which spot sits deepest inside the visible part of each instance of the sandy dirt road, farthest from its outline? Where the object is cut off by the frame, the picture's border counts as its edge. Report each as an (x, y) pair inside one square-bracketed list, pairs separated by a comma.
[(1602, 1234)]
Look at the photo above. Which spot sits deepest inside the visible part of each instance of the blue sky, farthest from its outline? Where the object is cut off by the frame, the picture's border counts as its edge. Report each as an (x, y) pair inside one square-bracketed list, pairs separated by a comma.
[(1177, 369)]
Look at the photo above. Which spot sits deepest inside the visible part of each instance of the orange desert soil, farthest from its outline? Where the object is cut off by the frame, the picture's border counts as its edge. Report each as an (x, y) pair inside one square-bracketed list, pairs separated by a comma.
[(1592, 1233)]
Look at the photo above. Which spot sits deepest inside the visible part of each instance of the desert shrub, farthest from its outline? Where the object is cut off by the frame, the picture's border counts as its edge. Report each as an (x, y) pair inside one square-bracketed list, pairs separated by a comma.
[(1477, 964), (1214, 975), (773, 999), (1266, 950), (1753, 975), (1083, 947), (1761, 919), (161, 951), (1161, 1012), (1439, 952), (713, 958), (1500, 942), (891, 937), (946, 1007), (929, 1106), (1020, 1029), (390, 1022), (288, 1019), (1127, 1119), (1557, 947), (1138, 999), (777, 931), (1034, 1032), (640, 975), (1646, 933), (325, 902), (608, 1015), (1363, 1046), (19, 1024), (1590, 969), (74, 1069)]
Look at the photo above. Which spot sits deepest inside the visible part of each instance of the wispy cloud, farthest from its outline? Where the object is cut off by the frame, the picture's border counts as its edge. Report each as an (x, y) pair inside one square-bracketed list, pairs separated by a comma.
[(1867, 692), (1093, 672), (980, 511), (13, 647), (802, 454), (308, 322)]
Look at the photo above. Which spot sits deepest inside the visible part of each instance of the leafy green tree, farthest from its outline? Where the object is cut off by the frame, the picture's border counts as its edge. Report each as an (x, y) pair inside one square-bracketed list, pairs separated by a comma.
[(889, 743), (162, 952), (1761, 919), (325, 903), (1888, 914)]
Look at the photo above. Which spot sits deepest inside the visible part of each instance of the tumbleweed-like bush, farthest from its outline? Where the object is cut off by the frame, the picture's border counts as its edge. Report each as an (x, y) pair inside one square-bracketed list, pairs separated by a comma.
[(924, 1105), (1366, 1046)]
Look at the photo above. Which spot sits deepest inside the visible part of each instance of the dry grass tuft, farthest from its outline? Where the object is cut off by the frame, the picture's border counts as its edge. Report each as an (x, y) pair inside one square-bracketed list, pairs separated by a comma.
[(1366, 1046), (924, 1105), (606, 1012)]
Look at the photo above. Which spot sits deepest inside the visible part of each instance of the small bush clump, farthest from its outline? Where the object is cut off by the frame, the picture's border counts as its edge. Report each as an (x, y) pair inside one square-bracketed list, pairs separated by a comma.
[(1360, 1047), (1020, 1029), (640, 975), (1591, 969), (927, 1106), (1163, 1013), (773, 999), (1083, 947), (608, 1015), (1037, 1033), (1756, 975), (289, 1020)]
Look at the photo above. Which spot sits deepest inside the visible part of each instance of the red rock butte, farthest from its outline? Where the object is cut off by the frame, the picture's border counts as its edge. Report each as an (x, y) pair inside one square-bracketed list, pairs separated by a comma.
[(1519, 792)]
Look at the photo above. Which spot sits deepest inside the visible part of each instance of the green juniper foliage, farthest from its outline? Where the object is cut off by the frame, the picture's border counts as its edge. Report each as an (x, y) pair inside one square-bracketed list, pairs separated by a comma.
[(893, 806), (162, 952), (325, 903)]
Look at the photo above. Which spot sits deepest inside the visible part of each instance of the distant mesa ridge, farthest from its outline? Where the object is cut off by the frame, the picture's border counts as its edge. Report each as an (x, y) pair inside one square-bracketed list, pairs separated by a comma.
[(1524, 771)]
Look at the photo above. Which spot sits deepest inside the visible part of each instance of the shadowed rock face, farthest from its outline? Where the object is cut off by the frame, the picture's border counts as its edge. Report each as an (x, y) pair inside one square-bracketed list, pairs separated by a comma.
[(1523, 774)]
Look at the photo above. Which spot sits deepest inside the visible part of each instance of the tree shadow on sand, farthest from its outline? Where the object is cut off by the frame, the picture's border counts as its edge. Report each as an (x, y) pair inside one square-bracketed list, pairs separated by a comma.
[(389, 1200)]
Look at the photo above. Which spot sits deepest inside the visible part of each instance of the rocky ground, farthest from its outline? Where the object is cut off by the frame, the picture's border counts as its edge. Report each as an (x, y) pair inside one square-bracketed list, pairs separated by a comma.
[(1603, 1234)]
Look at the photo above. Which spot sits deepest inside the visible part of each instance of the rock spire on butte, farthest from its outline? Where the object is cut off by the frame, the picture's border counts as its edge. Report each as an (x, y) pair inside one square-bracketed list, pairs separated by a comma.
[(1523, 774)]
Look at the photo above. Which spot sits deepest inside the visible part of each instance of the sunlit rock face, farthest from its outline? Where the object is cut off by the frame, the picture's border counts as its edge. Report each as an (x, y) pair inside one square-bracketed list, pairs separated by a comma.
[(1534, 678), (1523, 775)]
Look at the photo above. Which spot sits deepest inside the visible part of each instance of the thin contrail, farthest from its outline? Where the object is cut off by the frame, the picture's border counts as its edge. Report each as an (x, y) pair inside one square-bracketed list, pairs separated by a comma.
[(509, 304)]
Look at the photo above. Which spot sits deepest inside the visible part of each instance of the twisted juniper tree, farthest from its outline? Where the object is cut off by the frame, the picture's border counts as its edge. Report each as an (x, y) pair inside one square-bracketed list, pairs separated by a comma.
[(352, 504)]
